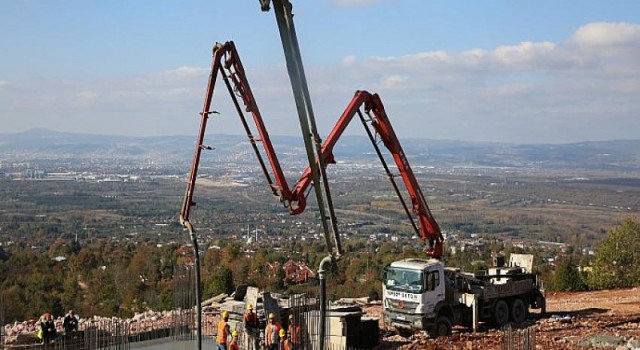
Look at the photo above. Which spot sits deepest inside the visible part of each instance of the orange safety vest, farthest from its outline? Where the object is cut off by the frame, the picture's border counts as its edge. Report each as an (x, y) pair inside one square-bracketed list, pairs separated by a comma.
[(294, 333), (270, 331), (233, 345), (223, 330)]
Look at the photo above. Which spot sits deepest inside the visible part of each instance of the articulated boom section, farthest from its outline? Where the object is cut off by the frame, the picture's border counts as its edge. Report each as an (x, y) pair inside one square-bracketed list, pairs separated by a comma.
[(373, 107), (226, 62)]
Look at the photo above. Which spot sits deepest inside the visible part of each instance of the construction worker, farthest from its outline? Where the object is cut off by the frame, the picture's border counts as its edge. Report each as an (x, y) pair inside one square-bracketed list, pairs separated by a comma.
[(251, 327), (70, 323), (284, 342), (294, 333), (234, 341), (47, 328), (272, 333), (223, 331)]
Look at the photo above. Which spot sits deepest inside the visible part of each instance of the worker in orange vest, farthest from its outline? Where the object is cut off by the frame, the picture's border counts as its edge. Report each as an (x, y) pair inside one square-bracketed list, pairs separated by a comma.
[(251, 328), (294, 333), (223, 331), (234, 341), (284, 342), (272, 333)]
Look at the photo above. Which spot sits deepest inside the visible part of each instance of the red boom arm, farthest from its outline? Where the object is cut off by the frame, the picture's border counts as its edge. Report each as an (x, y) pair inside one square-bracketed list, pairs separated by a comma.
[(373, 106), (226, 62)]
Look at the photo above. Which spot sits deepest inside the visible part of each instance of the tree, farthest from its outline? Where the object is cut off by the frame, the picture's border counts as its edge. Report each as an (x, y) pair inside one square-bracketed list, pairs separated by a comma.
[(221, 282), (617, 260), (4, 256), (567, 277)]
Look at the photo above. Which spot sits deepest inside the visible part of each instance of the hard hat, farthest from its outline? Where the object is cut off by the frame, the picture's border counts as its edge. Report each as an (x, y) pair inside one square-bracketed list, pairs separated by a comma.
[(234, 333), (282, 333), (291, 317), (271, 316), (225, 314), (249, 307)]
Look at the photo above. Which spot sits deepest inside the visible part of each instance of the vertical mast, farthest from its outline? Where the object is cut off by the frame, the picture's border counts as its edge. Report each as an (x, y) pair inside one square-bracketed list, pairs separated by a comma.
[(312, 141)]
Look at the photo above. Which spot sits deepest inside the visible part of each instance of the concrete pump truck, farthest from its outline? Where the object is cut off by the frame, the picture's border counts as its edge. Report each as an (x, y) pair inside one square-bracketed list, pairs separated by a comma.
[(418, 294)]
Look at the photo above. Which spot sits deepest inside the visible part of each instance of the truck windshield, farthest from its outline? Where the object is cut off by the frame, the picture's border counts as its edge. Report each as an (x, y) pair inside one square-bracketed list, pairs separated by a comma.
[(404, 280)]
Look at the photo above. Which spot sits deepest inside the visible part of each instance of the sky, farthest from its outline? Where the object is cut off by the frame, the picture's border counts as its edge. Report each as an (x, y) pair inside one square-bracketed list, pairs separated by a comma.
[(525, 71)]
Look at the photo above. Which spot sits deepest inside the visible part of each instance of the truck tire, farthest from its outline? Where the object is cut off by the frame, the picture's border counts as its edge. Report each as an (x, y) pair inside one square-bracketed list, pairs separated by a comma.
[(500, 313), (541, 303), (442, 328), (518, 311)]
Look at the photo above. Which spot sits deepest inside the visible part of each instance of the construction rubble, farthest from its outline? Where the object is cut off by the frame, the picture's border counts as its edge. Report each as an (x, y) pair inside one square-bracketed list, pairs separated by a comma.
[(587, 320)]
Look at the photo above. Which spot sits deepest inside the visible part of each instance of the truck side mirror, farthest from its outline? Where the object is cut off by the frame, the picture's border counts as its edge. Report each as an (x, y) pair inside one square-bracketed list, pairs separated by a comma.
[(383, 273)]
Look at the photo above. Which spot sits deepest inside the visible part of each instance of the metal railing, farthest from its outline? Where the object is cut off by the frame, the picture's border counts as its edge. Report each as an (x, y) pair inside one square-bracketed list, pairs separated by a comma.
[(184, 301), (518, 339), (2, 321)]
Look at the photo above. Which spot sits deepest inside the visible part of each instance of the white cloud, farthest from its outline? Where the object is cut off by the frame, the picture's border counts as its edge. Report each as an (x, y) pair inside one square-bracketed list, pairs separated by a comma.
[(184, 72), (349, 60), (394, 81), (526, 54), (608, 49), (531, 91), (524, 92), (606, 34)]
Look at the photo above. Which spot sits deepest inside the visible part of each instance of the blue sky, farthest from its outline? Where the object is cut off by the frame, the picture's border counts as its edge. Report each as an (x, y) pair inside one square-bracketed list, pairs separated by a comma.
[(508, 71)]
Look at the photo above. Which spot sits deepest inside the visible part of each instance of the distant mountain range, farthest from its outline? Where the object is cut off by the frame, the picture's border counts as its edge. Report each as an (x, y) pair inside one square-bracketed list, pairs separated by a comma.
[(617, 155)]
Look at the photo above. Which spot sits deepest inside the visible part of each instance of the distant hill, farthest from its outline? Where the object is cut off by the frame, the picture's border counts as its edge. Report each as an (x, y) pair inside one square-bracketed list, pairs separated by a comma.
[(618, 155)]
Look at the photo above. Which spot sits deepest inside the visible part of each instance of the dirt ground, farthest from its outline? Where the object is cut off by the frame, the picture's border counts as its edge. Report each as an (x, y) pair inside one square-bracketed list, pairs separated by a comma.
[(579, 320)]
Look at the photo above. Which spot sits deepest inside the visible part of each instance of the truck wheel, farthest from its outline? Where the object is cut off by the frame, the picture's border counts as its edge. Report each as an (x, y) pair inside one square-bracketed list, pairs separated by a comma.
[(442, 328), (404, 332), (541, 303), (500, 313), (518, 311)]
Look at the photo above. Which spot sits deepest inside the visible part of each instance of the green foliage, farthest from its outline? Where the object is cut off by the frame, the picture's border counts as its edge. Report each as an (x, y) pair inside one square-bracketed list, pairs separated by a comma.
[(118, 279), (374, 294), (617, 260), (567, 277), (220, 282), (97, 280)]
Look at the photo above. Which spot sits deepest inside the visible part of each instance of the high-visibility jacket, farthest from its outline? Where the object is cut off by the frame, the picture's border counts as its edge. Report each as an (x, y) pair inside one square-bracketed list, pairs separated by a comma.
[(233, 345), (294, 334), (223, 332), (271, 333)]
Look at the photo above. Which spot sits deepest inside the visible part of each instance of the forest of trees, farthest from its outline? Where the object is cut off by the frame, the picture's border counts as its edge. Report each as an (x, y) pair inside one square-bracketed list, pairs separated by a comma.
[(120, 279)]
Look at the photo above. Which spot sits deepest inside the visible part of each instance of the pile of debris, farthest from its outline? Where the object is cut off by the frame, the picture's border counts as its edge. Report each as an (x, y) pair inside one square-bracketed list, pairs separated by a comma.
[(558, 331), (22, 333)]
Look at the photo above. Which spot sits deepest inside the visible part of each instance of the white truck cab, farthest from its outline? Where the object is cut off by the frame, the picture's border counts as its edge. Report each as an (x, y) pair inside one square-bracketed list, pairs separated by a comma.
[(412, 290)]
